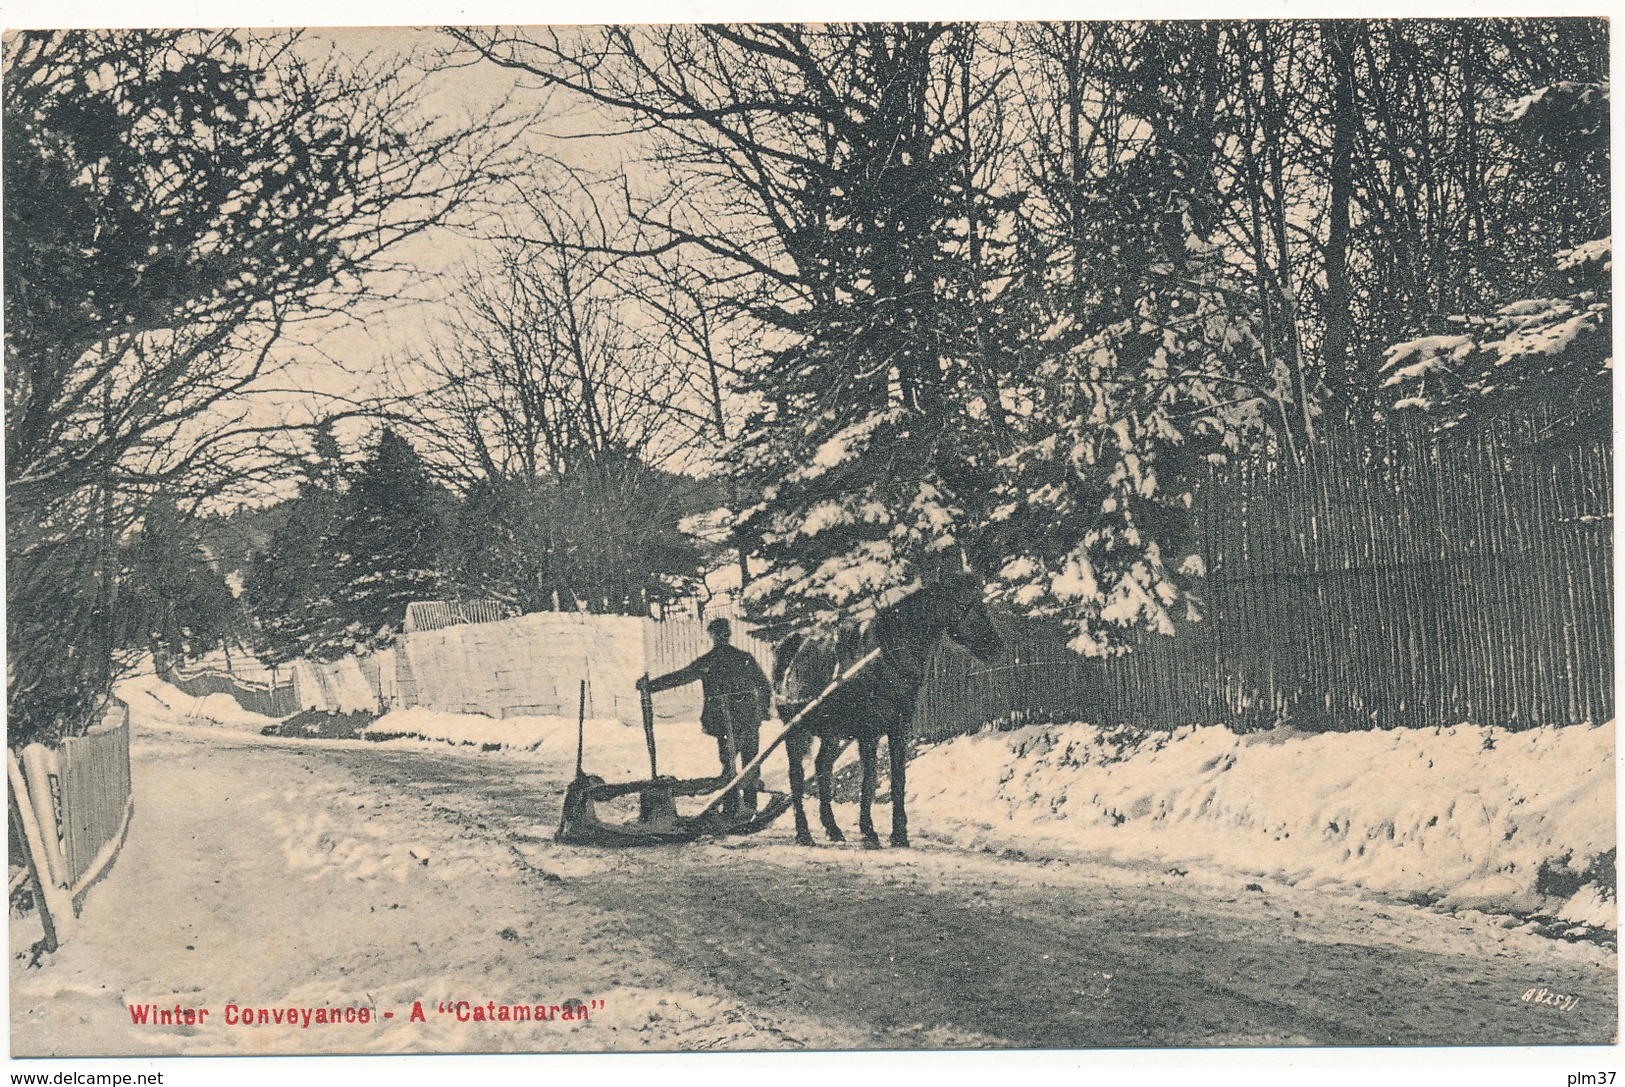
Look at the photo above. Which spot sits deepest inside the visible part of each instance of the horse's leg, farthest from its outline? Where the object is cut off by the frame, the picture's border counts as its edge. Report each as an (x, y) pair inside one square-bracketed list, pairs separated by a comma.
[(796, 747), (898, 749), (868, 747), (828, 749)]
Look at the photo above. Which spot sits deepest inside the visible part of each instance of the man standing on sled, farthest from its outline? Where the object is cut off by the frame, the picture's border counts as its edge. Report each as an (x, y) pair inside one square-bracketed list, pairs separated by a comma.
[(738, 697)]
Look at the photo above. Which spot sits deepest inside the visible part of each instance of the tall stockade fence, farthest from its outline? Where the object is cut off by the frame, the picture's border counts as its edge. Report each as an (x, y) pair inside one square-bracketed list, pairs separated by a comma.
[(1403, 580), (70, 810), (1393, 578)]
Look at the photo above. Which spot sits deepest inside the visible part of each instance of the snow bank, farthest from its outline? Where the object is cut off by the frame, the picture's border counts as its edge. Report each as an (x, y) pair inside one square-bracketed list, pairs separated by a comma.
[(613, 750), (1466, 815)]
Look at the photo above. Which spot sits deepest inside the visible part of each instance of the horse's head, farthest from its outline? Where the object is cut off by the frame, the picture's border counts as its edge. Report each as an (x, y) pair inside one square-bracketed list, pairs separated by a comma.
[(966, 615)]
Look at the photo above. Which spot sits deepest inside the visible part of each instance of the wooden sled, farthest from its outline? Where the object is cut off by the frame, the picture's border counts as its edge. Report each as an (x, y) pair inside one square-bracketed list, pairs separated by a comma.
[(658, 822)]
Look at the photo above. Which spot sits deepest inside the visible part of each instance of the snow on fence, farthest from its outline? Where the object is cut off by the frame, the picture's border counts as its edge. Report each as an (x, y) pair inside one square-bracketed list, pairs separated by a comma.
[(71, 806), (531, 665), (1411, 580), (379, 671), (266, 699), (340, 685)]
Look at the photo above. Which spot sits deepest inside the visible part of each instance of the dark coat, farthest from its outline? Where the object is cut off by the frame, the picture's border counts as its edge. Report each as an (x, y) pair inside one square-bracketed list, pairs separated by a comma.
[(736, 689)]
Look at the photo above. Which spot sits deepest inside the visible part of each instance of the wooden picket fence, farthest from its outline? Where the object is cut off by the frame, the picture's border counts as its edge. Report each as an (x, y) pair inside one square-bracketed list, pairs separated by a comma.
[(278, 699), (1396, 580), (70, 810), (96, 798)]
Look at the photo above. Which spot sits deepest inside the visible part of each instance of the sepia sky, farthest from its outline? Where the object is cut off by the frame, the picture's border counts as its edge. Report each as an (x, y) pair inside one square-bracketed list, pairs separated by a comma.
[(375, 13)]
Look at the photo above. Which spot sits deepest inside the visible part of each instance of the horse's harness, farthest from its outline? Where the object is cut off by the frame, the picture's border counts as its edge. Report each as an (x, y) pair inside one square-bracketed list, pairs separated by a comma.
[(915, 675)]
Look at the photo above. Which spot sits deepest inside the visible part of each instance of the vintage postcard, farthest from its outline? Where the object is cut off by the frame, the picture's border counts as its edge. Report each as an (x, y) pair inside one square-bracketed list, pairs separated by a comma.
[(791, 537)]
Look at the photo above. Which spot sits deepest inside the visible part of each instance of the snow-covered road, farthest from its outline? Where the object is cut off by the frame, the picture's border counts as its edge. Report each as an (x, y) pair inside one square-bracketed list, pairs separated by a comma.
[(274, 874)]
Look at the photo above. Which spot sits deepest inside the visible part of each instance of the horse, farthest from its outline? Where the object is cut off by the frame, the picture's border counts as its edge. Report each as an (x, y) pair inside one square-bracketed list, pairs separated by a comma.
[(878, 700)]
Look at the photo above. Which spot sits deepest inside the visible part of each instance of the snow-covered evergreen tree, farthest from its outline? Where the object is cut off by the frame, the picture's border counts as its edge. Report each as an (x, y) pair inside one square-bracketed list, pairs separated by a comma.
[(873, 447), (175, 601), (1552, 350), (1139, 373), (871, 444), (387, 551)]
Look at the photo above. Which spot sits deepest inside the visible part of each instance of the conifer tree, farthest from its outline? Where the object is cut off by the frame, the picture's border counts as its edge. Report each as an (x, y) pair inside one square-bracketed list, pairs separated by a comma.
[(871, 450), (1550, 350), (1144, 359), (497, 549), (290, 585), (387, 551), (175, 601)]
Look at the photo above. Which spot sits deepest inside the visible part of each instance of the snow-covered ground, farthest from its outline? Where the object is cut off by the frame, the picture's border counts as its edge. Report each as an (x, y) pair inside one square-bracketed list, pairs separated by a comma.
[(1465, 817), (317, 891), (271, 872)]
